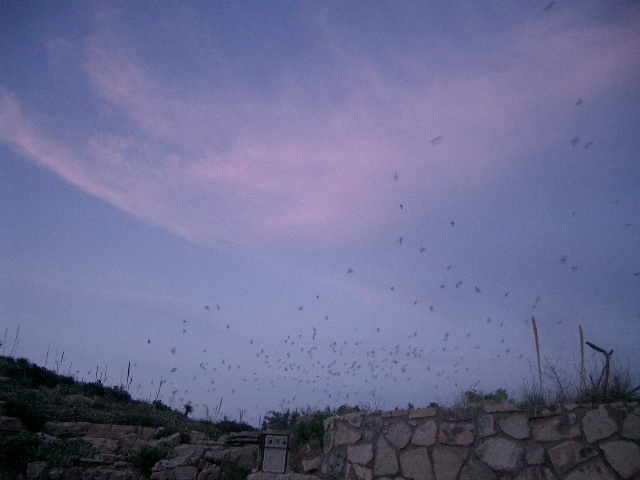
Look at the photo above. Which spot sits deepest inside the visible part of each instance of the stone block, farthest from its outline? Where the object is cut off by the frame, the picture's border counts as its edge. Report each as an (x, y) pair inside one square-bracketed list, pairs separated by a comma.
[(312, 464), (569, 454), (505, 407), (210, 473), (398, 433), (187, 472), (447, 461), (415, 464), (425, 435), (501, 454), (485, 425), (556, 428), (423, 413), (597, 425), (35, 470), (354, 419), (358, 472), (190, 452), (386, 462), (534, 454), (516, 426), (456, 434), (475, 470), (631, 427), (167, 474), (345, 435), (102, 445), (172, 440), (333, 463), (543, 412), (10, 424), (360, 454), (596, 470), (623, 456), (536, 473), (196, 437)]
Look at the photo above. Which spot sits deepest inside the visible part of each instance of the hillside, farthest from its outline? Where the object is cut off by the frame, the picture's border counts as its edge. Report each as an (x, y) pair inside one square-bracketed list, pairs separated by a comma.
[(42, 401)]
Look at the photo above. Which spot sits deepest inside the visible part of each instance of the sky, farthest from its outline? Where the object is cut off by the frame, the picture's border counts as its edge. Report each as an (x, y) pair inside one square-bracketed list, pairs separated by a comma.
[(279, 205)]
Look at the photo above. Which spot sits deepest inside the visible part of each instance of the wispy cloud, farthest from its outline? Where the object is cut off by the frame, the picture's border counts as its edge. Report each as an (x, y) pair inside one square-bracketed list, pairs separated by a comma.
[(225, 164)]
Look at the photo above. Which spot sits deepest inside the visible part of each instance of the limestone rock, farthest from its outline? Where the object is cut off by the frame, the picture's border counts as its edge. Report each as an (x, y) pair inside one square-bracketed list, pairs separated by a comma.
[(186, 472), (597, 424), (312, 464), (534, 454), (595, 470), (536, 473), (631, 427), (360, 454), (210, 473), (423, 413), (280, 476), (386, 462), (344, 435), (475, 470), (10, 424), (425, 435), (333, 463), (398, 433), (505, 407), (556, 428), (569, 454), (623, 456), (447, 461), (501, 454), (358, 472), (35, 470), (485, 425), (516, 426), (415, 464)]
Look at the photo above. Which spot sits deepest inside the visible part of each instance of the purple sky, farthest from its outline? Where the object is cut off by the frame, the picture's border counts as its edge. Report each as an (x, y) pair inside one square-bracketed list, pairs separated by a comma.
[(291, 204)]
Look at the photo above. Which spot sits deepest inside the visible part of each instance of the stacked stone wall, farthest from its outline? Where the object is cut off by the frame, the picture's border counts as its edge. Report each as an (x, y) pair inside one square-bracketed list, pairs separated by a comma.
[(566, 442)]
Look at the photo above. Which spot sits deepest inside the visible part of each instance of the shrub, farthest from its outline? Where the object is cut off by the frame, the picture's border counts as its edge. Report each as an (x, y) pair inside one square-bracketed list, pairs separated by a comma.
[(145, 459), (17, 451), (480, 399), (30, 417), (65, 453), (280, 420), (230, 470)]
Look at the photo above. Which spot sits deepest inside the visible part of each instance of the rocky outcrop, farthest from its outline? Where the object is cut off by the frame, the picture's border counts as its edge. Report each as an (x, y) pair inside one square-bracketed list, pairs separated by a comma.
[(117, 449)]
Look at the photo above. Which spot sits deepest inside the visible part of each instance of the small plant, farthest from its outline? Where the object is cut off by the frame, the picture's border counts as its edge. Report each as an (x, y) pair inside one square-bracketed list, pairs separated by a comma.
[(30, 417), (481, 399), (17, 451), (605, 383), (64, 453), (146, 458), (230, 470)]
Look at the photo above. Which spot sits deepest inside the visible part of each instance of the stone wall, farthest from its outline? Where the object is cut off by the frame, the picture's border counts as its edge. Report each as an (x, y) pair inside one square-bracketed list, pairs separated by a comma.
[(567, 442)]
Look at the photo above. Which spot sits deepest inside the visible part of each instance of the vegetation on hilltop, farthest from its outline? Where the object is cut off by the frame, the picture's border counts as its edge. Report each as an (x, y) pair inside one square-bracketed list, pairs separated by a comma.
[(36, 395)]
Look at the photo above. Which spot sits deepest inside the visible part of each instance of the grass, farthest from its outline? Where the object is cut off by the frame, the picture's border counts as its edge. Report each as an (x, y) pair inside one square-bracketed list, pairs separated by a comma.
[(603, 381)]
